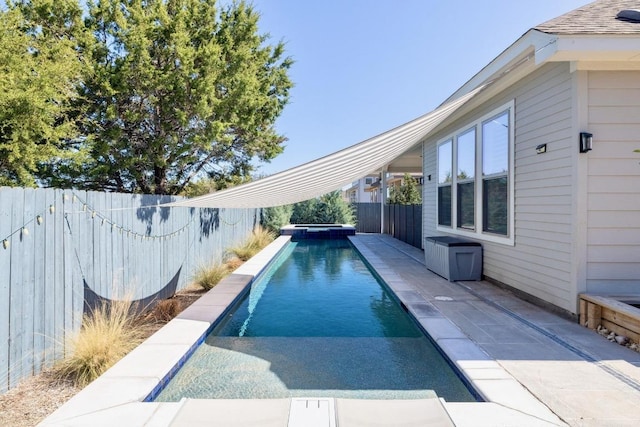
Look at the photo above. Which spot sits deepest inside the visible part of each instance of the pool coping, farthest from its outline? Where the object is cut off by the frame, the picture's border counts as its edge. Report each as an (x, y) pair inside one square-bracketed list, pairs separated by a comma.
[(118, 396)]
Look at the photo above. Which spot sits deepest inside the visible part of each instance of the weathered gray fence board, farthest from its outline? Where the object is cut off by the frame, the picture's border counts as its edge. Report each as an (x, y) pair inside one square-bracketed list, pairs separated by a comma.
[(15, 300), (112, 242), (55, 218), (5, 295)]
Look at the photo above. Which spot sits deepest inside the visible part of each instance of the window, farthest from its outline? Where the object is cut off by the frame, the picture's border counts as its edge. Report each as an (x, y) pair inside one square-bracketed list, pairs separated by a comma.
[(477, 200), (495, 166), (465, 179), (444, 183)]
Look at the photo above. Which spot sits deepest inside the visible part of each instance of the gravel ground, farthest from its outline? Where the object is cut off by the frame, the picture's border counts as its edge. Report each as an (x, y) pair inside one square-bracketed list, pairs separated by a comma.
[(37, 397)]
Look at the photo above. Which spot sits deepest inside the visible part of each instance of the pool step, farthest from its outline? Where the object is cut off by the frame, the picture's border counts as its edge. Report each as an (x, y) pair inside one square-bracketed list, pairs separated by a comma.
[(310, 412)]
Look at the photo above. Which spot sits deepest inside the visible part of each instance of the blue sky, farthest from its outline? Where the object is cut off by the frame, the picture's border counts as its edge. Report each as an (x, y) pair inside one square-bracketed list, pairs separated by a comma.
[(365, 66)]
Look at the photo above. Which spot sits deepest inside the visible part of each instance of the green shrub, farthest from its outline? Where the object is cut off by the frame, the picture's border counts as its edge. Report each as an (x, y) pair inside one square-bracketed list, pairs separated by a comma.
[(274, 218), (407, 193), (327, 209)]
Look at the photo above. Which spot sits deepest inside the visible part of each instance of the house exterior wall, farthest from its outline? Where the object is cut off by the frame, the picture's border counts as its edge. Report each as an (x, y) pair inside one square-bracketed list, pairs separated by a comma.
[(360, 190), (540, 262), (613, 203)]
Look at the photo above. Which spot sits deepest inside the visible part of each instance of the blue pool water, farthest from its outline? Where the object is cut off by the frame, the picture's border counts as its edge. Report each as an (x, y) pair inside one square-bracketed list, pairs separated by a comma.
[(317, 323)]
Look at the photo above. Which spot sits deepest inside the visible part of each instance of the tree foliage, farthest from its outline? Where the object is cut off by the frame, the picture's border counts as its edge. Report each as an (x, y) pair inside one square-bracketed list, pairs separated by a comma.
[(276, 217), (173, 91), (40, 67), (407, 193), (327, 209)]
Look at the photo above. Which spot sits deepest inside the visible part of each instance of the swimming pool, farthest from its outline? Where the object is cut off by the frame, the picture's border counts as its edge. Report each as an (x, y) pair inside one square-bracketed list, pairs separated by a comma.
[(317, 323)]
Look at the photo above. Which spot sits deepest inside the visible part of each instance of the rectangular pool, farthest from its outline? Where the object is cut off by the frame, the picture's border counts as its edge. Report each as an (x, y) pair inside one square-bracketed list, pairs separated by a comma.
[(317, 323)]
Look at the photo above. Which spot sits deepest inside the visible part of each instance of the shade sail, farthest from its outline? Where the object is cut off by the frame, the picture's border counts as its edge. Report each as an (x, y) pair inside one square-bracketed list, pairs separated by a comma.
[(331, 172)]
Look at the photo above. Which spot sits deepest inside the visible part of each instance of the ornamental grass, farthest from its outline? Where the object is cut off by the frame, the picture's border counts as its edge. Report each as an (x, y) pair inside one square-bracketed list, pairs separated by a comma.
[(260, 238), (207, 276), (107, 334)]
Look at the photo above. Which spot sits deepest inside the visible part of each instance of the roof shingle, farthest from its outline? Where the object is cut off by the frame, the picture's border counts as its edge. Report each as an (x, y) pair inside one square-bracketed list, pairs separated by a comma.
[(598, 17)]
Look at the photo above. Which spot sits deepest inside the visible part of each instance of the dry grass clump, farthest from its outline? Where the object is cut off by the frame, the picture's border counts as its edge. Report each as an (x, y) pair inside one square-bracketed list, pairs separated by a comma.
[(207, 276), (233, 263), (260, 237), (107, 334), (166, 309)]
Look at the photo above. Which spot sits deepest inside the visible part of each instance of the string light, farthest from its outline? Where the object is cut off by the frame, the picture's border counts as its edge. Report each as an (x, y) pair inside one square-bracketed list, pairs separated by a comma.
[(94, 213), (39, 219)]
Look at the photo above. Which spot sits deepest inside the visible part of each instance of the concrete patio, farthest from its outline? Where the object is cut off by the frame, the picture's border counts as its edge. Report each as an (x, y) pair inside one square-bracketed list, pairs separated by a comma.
[(532, 367)]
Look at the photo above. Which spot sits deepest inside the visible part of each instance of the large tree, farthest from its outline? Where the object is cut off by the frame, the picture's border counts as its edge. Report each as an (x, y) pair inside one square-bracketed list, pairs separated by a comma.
[(407, 193), (179, 90), (40, 66)]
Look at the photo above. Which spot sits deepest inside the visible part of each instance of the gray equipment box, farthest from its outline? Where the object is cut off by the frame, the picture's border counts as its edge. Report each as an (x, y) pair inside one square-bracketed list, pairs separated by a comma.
[(453, 258)]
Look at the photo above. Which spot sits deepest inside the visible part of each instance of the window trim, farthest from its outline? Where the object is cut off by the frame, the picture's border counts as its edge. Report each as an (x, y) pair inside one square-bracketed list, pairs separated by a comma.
[(477, 232)]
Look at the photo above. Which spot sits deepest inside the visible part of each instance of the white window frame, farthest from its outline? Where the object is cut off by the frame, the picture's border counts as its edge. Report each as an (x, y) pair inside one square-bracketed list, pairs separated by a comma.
[(478, 233)]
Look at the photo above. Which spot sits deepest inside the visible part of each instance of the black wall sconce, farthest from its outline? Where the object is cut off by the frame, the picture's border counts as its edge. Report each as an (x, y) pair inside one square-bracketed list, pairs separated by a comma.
[(542, 148), (586, 142)]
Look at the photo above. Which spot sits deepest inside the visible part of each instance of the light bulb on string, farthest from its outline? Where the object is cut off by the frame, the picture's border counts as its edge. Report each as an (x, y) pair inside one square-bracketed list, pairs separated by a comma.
[(25, 231), (39, 219), (52, 209), (5, 243)]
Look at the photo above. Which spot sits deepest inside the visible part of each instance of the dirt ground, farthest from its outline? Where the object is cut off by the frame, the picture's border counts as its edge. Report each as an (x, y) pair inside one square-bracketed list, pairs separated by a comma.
[(37, 397)]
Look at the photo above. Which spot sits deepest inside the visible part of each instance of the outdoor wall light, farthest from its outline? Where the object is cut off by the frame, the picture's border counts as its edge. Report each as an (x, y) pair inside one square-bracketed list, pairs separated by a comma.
[(586, 142), (542, 148)]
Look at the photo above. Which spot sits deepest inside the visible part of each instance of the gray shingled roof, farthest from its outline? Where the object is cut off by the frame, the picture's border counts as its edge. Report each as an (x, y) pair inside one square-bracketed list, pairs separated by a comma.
[(598, 17)]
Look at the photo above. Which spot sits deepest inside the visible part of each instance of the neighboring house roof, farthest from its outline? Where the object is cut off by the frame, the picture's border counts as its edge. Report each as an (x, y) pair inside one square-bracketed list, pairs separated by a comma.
[(598, 17)]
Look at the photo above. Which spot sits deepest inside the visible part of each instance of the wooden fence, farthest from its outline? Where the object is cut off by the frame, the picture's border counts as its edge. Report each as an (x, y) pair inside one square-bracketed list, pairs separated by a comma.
[(404, 222), (63, 249)]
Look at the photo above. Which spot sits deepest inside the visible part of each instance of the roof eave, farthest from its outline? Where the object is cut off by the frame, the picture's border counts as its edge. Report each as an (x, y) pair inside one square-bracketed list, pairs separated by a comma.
[(535, 48), (532, 43), (595, 48)]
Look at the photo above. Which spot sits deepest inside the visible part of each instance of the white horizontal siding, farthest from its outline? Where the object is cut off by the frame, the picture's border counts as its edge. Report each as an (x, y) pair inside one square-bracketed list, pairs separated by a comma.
[(540, 262), (613, 220), (429, 190)]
